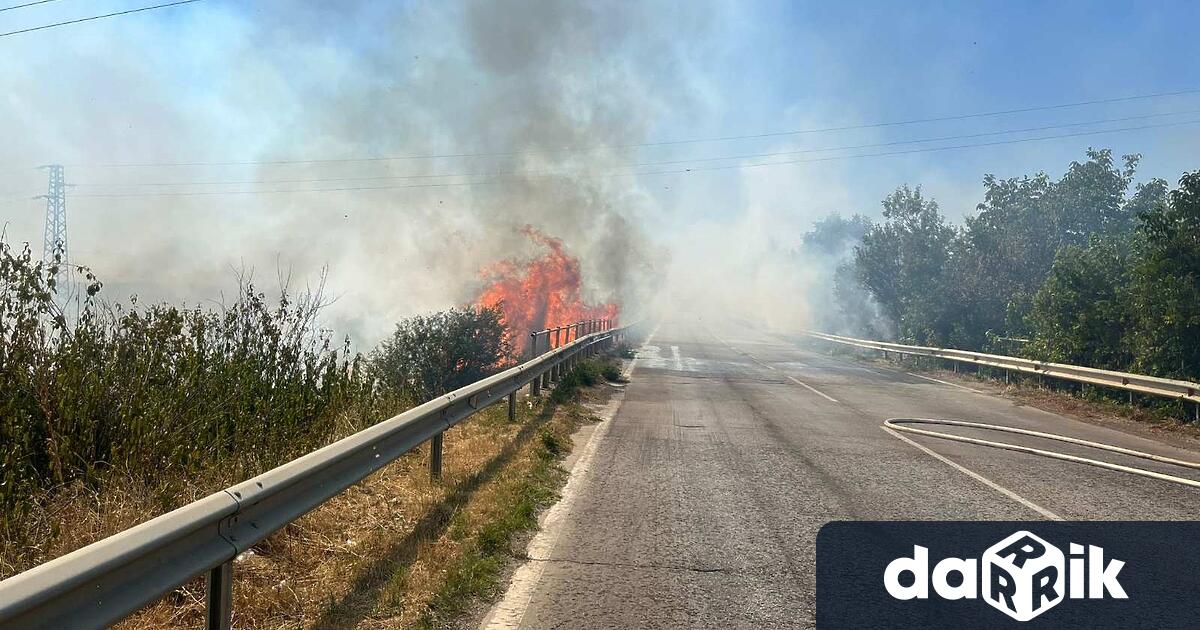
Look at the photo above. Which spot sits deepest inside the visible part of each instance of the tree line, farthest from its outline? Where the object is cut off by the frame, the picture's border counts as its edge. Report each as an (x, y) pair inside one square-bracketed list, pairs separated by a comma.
[(1089, 269)]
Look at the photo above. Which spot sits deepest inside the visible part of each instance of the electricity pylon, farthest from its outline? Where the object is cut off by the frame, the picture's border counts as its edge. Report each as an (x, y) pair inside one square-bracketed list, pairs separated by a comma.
[(54, 239), (54, 236)]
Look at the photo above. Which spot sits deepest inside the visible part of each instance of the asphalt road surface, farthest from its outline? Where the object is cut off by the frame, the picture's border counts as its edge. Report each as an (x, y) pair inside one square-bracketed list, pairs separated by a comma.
[(700, 500)]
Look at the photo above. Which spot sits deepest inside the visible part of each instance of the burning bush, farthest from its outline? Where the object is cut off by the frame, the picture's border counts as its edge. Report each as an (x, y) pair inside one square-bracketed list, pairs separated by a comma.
[(541, 293)]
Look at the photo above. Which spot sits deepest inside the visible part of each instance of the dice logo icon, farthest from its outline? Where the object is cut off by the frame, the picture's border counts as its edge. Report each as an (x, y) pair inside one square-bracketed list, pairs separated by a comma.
[(1023, 576)]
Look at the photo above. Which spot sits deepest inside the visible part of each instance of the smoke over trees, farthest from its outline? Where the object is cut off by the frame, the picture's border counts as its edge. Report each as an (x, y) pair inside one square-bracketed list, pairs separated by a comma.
[(1091, 268), (411, 142), (902, 262), (829, 248)]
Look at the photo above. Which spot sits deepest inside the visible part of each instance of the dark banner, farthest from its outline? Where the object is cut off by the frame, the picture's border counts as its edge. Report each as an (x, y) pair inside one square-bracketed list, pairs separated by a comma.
[(1025, 575)]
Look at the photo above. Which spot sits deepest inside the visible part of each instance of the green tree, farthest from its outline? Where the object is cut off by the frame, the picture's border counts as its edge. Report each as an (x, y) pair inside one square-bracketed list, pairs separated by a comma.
[(839, 303), (857, 312), (834, 236), (1006, 250), (1081, 313), (1166, 284), (903, 263), (429, 355)]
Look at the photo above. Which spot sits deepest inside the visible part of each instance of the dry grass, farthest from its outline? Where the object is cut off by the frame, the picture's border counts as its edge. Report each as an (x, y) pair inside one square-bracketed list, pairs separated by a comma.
[(75, 515), (395, 551)]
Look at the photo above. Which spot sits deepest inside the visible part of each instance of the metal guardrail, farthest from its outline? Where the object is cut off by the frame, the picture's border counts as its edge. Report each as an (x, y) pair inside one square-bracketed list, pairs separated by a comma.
[(1169, 388), (543, 341), (547, 340), (103, 582)]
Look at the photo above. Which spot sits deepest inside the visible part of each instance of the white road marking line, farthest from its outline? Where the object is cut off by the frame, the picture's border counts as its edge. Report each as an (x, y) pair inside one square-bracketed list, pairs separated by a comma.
[(633, 361), (938, 380), (978, 477), (812, 389), (771, 367), (677, 358), (509, 612), (902, 424)]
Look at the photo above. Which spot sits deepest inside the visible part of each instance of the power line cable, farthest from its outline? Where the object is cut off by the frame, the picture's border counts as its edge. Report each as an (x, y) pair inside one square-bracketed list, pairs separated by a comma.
[(929, 149), (1003, 112), (639, 173), (645, 163), (27, 4), (652, 144), (97, 17)]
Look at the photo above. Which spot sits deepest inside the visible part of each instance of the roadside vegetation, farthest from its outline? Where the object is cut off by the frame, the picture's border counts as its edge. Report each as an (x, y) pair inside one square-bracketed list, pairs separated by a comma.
[(111, 413), (399, 550), (1088, 269)]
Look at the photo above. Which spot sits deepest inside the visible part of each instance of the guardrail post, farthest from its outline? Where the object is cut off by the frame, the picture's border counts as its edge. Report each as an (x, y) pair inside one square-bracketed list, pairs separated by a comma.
[(512, 406), (435, 457), (220, 597), (535, 385)]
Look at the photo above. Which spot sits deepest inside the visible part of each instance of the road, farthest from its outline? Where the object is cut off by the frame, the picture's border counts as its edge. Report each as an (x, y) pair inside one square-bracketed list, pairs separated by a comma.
[(699, 501)]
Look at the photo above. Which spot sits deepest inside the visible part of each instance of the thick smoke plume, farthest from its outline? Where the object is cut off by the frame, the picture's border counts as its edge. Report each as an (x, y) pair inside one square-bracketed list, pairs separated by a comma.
[(543, 95)]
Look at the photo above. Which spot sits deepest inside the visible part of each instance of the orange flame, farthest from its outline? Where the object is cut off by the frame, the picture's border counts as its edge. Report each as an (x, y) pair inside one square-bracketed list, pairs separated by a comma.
[(539, 294)]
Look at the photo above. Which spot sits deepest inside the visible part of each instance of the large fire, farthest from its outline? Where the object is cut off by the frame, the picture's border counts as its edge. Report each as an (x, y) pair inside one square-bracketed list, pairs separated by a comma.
[(539, 294)]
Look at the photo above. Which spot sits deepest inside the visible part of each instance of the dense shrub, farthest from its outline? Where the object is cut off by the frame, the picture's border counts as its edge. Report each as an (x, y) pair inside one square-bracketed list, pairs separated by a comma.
[(159, 391), (429, 355)]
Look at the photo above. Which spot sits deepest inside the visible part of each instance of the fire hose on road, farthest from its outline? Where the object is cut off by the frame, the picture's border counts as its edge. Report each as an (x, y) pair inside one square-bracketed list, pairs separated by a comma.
[(900, 425)]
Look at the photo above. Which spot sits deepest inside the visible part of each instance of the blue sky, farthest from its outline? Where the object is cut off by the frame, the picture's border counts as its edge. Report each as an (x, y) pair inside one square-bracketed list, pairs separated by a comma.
[(279, 80), (826, 64)]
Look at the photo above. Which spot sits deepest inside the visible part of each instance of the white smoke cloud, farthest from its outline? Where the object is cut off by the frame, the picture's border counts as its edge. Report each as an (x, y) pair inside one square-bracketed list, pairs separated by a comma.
[(531, 81)]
